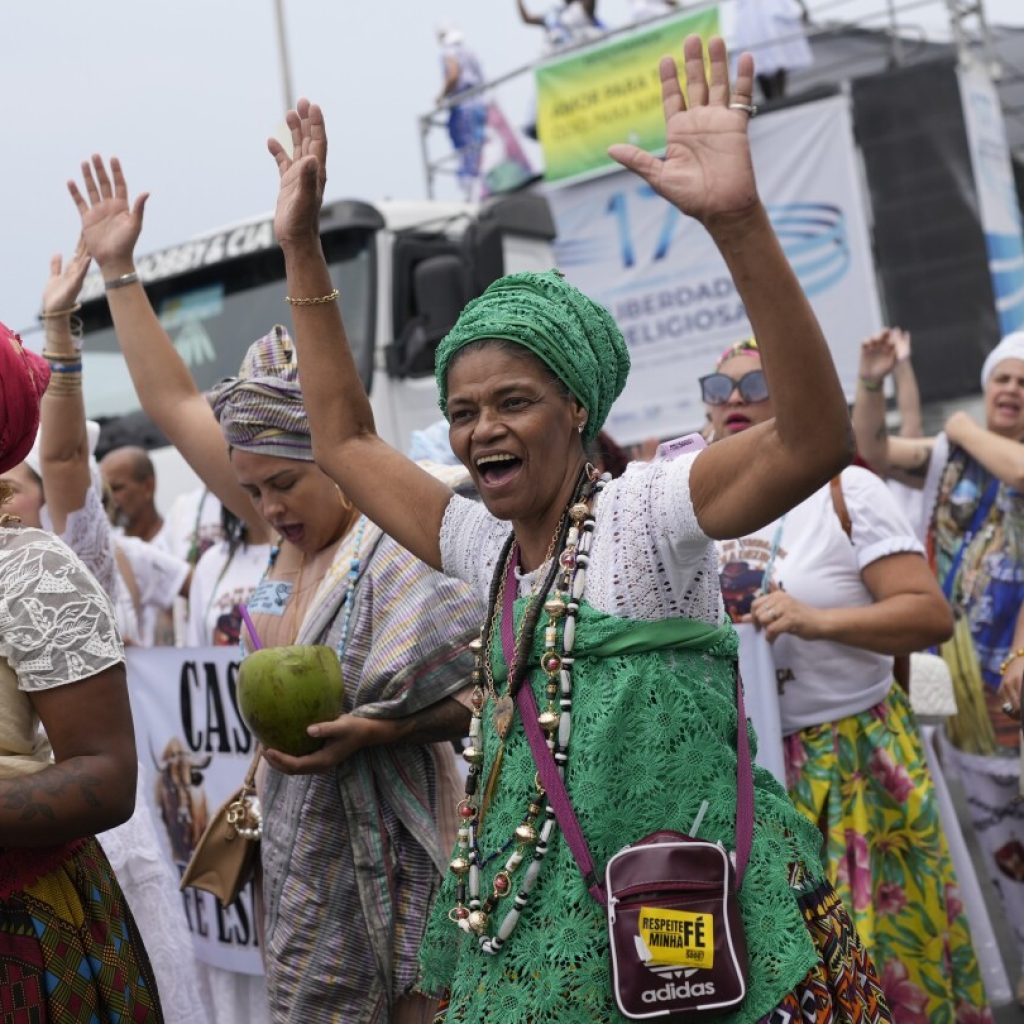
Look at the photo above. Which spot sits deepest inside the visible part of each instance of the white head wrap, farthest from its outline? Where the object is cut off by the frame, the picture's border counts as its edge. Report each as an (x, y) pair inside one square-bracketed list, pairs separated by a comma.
[(1011, 347)]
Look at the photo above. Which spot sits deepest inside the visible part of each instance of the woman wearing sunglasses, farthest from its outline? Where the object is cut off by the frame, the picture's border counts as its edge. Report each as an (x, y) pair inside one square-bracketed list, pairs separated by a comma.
[(838, 586)]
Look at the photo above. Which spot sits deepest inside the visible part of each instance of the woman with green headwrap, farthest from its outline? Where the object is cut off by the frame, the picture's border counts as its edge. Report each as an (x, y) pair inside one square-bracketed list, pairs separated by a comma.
[(645, 677)]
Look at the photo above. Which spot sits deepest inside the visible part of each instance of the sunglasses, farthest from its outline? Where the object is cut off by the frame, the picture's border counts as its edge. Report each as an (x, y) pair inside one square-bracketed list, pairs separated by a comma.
[(716, 388)]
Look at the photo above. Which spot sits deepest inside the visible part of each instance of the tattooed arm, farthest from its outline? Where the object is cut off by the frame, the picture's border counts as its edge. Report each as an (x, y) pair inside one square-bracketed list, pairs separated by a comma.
[(91, 787), (903, 459)]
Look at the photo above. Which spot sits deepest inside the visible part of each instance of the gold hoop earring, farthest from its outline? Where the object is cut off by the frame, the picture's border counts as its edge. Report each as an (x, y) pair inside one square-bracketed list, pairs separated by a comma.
[(345, 503)]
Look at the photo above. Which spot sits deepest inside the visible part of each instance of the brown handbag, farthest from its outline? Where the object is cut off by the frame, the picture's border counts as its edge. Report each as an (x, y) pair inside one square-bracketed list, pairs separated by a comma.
[(226, 855)]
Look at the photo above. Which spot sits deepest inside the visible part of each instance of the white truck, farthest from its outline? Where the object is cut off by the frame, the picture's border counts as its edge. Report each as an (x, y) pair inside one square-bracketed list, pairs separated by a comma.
[(404, 269)]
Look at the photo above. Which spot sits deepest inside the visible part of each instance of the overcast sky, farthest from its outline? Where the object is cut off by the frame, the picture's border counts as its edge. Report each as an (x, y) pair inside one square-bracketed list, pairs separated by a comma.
[(187, 92)]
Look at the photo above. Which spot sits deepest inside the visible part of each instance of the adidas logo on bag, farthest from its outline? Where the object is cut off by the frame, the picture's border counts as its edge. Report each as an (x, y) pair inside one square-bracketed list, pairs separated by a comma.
[(679, 990)]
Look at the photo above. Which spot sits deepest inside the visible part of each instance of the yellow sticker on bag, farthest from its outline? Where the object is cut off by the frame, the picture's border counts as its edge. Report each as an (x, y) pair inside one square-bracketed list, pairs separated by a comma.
[(678, 937)]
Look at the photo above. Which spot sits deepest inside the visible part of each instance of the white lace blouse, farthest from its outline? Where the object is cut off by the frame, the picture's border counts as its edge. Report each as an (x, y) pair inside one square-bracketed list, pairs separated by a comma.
[(650, 558), (56, 627)]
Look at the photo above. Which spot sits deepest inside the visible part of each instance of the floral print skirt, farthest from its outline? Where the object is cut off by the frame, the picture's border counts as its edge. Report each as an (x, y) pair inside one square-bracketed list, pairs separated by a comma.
[(864, 779)]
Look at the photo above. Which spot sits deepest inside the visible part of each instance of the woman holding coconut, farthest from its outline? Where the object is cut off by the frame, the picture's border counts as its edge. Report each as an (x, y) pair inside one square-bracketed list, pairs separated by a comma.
[(526, 377), (351, 852)]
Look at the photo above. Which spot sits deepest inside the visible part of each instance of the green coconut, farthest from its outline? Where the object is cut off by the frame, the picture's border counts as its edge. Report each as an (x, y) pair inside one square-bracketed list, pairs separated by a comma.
[(283, 690)]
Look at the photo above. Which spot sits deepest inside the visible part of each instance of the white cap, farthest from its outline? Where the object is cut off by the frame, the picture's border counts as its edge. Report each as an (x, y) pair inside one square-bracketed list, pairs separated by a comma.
[(450, 35), (1011, 347)]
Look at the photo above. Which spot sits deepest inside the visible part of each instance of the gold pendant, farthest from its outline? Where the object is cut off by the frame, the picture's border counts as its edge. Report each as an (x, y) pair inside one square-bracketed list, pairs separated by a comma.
[(503, 710)]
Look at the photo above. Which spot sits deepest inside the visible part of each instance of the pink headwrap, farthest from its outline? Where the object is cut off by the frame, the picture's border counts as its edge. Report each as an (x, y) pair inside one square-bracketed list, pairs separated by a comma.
[(23, 379)]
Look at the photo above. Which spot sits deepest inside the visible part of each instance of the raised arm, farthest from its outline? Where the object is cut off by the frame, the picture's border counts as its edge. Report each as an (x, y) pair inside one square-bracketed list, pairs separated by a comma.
[(63, 444), (903, 459), (707, 173), (528, 18), (404, 500), (908, 394), (165, 388)]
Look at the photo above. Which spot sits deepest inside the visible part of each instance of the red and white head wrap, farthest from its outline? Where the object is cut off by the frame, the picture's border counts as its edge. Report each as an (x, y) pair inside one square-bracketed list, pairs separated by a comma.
[(23, 379)]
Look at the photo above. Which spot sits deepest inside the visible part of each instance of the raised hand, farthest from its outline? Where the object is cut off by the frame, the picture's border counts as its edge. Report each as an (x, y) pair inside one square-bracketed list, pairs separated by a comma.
[(303, 175), (110, 227), (65, 281), (878, 355), (707, 171), (901, 341)]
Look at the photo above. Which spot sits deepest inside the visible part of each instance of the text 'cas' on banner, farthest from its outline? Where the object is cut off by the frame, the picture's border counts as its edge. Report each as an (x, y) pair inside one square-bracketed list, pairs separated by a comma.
[(609, 93)]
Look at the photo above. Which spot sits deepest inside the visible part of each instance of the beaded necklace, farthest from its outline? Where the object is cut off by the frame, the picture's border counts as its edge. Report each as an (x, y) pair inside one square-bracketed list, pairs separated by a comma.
[(352, 578), (503, 706), (471, 913)]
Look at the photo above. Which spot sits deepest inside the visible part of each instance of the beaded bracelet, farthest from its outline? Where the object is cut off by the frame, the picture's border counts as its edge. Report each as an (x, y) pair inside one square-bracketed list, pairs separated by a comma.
[(320, 300), (1012, 656), (870, 383)]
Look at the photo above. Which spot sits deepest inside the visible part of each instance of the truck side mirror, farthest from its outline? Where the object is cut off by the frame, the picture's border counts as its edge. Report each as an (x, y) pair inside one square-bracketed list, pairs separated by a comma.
[(439, 292)]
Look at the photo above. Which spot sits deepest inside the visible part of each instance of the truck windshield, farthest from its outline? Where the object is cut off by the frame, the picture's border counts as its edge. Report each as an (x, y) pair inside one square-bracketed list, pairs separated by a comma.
[(212, 315)]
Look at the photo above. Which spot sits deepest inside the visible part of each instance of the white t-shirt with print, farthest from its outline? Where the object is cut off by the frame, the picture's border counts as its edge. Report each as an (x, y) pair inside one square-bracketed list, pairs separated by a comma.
[(817, 564), (159, 577), (219, 585), (192, 519)]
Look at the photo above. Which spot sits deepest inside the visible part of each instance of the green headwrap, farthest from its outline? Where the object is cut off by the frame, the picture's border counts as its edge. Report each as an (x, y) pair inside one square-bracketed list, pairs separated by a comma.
[(573, 335)]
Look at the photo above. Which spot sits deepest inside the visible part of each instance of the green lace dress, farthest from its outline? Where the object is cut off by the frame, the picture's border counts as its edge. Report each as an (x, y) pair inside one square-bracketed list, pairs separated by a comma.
[(653, 736)]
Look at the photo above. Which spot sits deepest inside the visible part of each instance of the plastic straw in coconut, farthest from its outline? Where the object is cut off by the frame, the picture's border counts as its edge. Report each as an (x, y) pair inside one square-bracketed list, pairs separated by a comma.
[(254, 636)]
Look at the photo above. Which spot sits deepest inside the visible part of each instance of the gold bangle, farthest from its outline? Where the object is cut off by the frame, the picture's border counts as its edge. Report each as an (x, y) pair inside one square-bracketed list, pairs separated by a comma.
[(1012, 656), (62, 357), (56, 314), (65, 384), (320, 300)]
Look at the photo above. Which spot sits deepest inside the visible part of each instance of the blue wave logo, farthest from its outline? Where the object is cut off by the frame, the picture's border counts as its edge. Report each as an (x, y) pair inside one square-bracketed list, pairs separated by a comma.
[(814, 238), (1006, 267)]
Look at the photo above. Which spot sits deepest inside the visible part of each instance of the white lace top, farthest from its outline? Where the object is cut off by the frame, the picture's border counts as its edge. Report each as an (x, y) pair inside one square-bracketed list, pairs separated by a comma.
[(650, 558), (56, 627), (56, 623)]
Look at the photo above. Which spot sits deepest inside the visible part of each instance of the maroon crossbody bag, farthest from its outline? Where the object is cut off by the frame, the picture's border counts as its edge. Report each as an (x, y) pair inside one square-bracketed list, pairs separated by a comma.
[(675, 935)]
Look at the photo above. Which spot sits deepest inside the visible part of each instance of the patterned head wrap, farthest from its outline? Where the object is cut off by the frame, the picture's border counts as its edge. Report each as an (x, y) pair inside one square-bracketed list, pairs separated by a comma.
[(738, 349), (574, 336), (23, 379), (1011, 347), (261, 409)]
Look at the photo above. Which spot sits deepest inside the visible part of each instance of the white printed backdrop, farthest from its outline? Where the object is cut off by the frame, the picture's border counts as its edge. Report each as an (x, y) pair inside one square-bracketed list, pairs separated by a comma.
[(661, 277), (997, 194), (195, 750)]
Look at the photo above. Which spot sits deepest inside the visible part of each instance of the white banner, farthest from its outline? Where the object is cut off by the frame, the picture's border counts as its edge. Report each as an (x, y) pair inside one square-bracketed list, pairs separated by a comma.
[(997, 194), (195, 750), (663, 280), (761, 696)]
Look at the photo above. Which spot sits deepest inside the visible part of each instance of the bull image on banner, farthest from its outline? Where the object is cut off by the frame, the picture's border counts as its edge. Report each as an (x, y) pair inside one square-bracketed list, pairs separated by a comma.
[(661, 277), (195, 750)]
